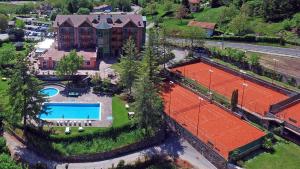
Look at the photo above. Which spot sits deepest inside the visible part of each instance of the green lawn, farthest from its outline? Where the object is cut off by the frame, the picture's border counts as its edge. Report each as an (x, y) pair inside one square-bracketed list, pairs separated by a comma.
[(209, 15), (286, 155)]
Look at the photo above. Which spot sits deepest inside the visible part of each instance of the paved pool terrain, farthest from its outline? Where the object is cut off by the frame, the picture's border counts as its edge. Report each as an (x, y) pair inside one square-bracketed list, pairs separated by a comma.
[(86, 98)]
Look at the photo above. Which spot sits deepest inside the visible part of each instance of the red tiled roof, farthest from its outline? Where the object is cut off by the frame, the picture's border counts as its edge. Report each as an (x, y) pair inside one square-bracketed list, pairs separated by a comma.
[(205, 25), (56, 54), (194, 1), (76, 20)]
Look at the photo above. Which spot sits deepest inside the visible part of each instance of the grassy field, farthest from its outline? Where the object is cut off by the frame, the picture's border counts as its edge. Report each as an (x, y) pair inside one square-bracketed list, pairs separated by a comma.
[(208, 15), (286, 155)]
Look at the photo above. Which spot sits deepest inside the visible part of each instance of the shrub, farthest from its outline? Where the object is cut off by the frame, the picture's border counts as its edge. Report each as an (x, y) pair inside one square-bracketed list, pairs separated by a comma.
[(268, 142), (121, 164), (292, 81), (240, 163), (3, 147), (234, 99)]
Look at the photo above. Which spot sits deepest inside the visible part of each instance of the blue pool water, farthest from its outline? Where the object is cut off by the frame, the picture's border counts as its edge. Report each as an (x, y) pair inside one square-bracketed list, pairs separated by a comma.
[(74, 111), (50, 91)]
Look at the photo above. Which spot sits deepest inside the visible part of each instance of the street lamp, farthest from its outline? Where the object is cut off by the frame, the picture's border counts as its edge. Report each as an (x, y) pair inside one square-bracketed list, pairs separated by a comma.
[(210, 72), (243, 74), (170, 83), (244, 85), (274, 69), (200, 100)]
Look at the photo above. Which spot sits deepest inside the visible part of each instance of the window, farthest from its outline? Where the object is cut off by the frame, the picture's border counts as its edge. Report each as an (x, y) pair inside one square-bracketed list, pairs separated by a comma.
[(100, 34), (87, 62)]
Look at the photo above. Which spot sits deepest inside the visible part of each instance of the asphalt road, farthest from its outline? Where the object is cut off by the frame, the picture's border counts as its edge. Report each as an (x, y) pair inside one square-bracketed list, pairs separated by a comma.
[(287, 52), (258, 48)]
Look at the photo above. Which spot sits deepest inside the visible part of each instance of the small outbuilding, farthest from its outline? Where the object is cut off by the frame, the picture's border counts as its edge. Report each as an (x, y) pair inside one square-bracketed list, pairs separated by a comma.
[(208, 26), (194, 5)]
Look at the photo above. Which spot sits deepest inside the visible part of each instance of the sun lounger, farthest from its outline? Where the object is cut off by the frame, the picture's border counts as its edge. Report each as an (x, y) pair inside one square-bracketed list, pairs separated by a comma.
[(68, 130), (80, 129)]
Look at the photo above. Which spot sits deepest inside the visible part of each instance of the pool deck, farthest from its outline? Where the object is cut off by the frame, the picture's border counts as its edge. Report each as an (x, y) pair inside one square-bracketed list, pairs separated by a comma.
[(106, 104)]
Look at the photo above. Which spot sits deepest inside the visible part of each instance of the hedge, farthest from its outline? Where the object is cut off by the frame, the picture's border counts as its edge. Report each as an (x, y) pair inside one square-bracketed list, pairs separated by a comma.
[(83, 136)]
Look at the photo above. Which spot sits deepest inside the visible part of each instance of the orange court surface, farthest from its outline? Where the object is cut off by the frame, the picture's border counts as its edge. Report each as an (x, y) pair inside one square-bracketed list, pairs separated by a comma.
[(291, 114), (217, 127), (256, 98)]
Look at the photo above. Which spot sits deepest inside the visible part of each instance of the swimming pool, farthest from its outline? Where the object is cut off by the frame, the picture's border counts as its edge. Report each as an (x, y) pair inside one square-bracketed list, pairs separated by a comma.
[(50, 91), (71, 111)]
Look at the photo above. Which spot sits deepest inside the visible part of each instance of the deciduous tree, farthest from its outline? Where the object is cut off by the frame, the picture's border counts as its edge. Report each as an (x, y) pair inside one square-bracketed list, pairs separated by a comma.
[(181, 12), (69, 64), (3, 22), (83, 11)]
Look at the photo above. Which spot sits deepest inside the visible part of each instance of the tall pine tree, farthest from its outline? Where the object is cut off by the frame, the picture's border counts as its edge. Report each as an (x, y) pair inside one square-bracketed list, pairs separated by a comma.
[(129, 65), (25, 99)]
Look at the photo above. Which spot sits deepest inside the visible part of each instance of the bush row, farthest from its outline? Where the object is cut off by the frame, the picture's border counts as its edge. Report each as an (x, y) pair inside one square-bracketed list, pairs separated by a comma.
[(250, 38), (109, 132), (240, 60)]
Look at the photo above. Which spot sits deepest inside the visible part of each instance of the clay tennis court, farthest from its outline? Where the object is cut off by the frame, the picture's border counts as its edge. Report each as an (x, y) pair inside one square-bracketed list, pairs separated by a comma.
[(291, 114), (257, 98), (218, 128)]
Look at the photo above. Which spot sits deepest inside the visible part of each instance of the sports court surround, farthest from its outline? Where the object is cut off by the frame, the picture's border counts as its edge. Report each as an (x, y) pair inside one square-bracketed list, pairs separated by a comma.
[(218, 128), (291, 114), (256, 98)]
